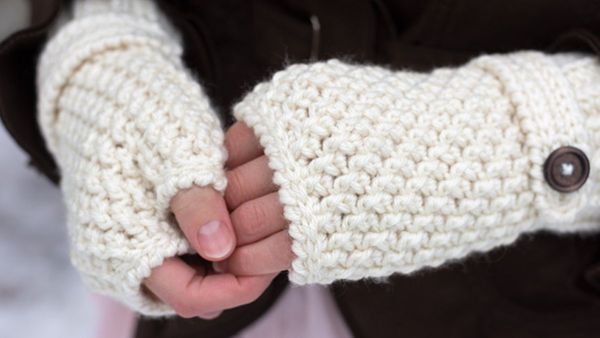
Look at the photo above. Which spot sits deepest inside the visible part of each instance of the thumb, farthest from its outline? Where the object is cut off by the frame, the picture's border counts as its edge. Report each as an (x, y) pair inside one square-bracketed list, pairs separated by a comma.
[(204, 219)]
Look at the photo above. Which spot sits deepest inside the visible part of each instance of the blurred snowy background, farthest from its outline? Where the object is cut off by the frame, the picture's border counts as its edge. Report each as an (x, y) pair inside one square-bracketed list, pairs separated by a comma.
[(40, 293)]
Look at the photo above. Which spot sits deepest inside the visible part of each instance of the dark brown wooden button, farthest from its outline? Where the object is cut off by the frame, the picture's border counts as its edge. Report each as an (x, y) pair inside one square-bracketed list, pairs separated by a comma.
[(566, 169)]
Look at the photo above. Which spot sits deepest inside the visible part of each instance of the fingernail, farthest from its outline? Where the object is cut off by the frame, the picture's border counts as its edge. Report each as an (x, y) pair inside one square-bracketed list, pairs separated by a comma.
[(218, 267), (211, 315), (214, 239)]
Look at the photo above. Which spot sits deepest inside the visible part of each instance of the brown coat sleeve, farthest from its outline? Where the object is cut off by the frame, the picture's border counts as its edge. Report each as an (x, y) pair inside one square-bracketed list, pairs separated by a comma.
[(18, 63)]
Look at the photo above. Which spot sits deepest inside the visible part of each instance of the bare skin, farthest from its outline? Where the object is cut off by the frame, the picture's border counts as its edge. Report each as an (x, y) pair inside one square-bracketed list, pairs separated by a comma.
[(243, 233), (264, 245)]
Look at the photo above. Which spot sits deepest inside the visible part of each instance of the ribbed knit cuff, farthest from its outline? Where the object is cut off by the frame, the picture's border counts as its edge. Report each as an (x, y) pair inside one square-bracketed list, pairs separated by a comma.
[(547, 111)]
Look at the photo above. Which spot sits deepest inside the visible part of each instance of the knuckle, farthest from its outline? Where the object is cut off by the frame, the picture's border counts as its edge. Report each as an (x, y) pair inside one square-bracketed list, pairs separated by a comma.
[(229, 142), (289, 253), (234, 137), (181, 201), (184, 309), (247, 297), (187, 200), (234, 188), (242, 261), (210, 196), (253, 294), (251, 217)]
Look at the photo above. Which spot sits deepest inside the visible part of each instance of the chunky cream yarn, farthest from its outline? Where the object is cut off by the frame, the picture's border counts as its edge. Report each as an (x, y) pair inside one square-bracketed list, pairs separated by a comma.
[(380, 171), (383, 172), (129, 128)]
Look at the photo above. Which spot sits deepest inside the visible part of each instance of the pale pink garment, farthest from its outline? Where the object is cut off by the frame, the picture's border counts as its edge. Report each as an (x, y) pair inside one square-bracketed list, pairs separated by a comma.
[(301, 312), (114, 320)]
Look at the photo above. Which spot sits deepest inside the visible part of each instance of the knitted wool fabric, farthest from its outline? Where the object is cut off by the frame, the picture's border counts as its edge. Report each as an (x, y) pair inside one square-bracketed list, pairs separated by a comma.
[(379, 171), (129, 128), (383, 172)]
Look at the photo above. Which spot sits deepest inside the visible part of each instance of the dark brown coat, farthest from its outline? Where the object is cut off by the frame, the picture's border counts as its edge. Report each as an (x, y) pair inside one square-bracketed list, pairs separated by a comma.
[(542, 286)]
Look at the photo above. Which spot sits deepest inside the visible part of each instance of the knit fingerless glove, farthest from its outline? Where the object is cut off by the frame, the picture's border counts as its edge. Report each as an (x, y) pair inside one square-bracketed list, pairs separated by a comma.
[(129, 128), (386, 171)]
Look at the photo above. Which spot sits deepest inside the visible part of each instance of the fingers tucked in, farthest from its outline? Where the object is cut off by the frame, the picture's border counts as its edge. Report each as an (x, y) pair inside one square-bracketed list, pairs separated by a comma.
[(192, 294), (249, 181), (258, 218), (270, 255)]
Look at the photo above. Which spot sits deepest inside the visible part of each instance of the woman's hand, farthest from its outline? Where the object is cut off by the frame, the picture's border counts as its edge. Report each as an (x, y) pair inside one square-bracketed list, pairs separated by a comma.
[(264, 246), (256, 226), (194, 291)]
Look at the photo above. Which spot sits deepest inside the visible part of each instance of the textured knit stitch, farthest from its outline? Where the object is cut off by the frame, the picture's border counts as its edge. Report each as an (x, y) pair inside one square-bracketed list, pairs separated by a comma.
[(383, 172), (129, 128), (379, 171)]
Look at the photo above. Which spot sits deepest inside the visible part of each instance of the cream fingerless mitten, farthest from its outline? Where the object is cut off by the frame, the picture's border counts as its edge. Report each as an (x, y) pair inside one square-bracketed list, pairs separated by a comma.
[(129, 128), (386, 171)]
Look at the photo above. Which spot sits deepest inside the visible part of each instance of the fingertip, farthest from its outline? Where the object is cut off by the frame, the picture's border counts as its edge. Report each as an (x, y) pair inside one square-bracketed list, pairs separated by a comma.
[(216, 240), (270, 255), (211, 315), (241, 144), (203, 217), (219, 267)]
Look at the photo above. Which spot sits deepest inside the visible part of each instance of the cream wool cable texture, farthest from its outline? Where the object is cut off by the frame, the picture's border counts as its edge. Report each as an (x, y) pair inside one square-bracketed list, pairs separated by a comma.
[(383, 172), (129, 128)]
